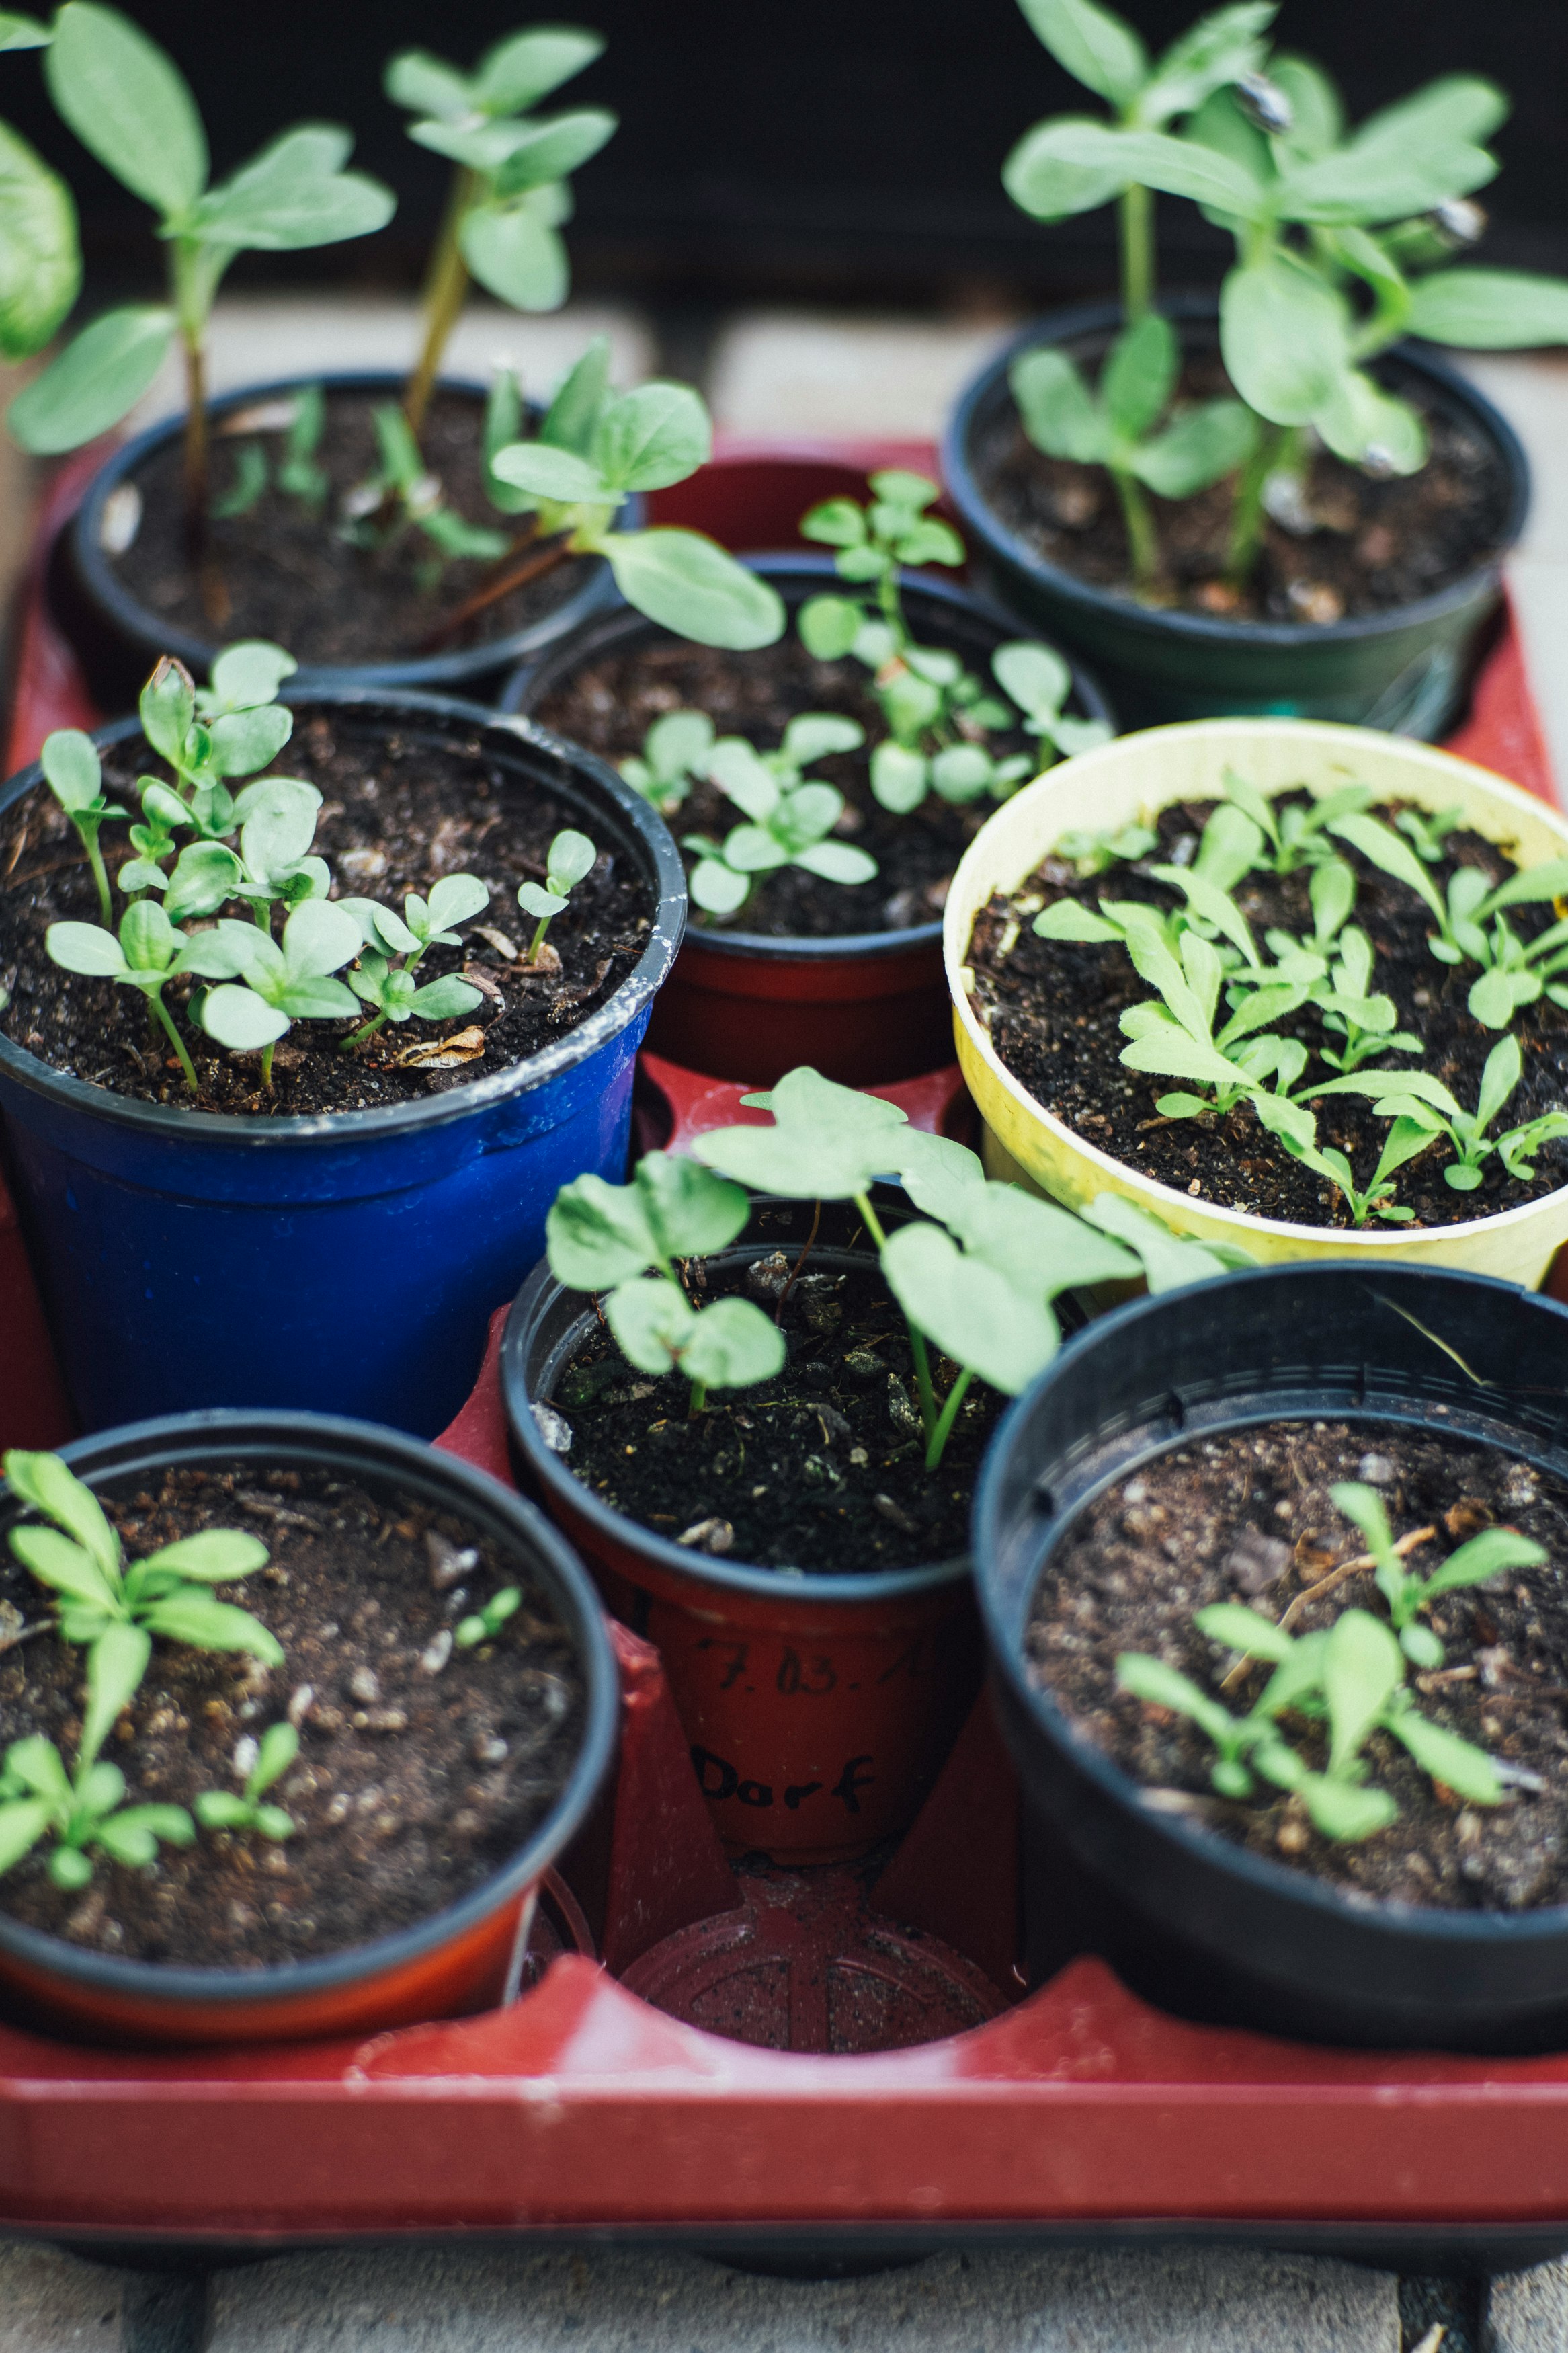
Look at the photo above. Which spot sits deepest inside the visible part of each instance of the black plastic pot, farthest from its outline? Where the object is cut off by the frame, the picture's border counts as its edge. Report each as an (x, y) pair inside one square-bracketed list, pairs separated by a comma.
[(117, 639), (1406, 671), (865, 1008), (1193, 1923), (819, 1708), (347, 1262), (466, 1957)]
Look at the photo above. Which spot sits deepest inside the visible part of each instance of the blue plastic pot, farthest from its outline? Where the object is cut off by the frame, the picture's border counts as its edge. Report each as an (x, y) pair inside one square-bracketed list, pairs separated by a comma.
[(346, 1263), (118, 637)]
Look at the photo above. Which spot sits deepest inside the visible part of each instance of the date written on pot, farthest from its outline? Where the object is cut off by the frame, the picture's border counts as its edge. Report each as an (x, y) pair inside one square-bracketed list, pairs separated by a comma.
[(808, 1674)]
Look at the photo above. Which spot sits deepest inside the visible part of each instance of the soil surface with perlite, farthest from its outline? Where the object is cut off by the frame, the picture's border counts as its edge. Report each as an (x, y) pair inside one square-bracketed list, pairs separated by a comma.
[(820, 1470), (1248, 1518), (398, 811), (611, 703), (422, 1768), (282, 571), (1052, 1009), (1365, 544)]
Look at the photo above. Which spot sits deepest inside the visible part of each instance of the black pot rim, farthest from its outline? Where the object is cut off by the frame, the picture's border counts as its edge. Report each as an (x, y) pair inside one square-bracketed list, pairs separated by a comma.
[(790, 565), (537, 1296), (140, 625), (663, 871), (1260, 1872), (327, 1437), (1202, 629)]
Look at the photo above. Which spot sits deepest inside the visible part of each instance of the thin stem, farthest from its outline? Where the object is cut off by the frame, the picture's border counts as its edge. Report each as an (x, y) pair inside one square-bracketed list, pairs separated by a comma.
[(195, 446), (943, 1430), (155, 999), (1271, 454), (446, 289), (810, 1244), (541, 560), (95, 859), (366, 1029), (872, 1221), (1137, 229), (1142, 539), (267, 1064), (537, 942), (698, 1400), (917, 1339), (892, 607)]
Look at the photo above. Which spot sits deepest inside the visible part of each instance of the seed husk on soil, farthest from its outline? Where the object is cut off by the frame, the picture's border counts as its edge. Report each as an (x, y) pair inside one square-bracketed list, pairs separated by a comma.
[(396, 813), (1200, 1523), (422, 1769), (1052, 1009)]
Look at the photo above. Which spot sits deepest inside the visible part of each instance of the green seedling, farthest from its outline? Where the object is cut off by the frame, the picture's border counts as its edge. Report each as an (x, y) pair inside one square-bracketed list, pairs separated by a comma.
[(1092, 853), (211, 734), (1126, 423), (571, 860), (789, 817), (71, 765), (510, 190), (1423, 1102), (424, 924), (1405, 1141), (299, 475), (41, 258), (1514, 974), (1364, 1019), (1293, 834), (223, 1809), (130, 107), (84, 1811), (403, 483), (1427, 831), (595, 449), (1102, 51), (268, 986), (1483, 1556), (484, 1625), (147, 955), (626, 1242), (674, 754), (1248, 1744), (113, 1608), (938, 713)]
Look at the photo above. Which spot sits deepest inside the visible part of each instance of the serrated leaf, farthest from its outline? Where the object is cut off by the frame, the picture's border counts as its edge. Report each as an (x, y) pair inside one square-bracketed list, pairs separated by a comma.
[(53, 1488)]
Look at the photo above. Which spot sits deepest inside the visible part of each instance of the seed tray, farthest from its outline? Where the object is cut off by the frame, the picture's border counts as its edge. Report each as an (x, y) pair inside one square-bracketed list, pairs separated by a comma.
[(836, 2063)]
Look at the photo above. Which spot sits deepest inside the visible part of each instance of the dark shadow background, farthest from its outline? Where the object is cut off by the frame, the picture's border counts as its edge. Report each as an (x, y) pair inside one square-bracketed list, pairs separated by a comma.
[(839, 150)]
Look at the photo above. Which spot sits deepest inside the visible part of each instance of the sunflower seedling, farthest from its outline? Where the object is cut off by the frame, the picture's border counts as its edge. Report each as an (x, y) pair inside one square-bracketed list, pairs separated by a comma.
[(83, 1811), (115, 1609), (674, 754), (484, 1625), (571, 860), (228, 1810), (71, 765), (789, 817), (391, 987), (1126, 424), (625, 1240), (1484, 1556)]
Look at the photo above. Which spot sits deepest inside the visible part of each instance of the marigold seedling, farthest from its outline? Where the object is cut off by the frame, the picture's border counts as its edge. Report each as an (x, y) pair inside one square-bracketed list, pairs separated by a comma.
[(1484, 1556), (226, 1810), (83, 1809), (1423, 1102), (570, 861), (484, 1625), (789, 817)]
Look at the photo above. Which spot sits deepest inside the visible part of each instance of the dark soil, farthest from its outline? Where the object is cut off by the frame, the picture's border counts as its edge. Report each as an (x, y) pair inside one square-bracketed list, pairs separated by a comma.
[(1052, 1009), (288, 575), (397, 813), (1248, 1517), (610, 704), (422, 1768), (821, 1470), (1378, 543)]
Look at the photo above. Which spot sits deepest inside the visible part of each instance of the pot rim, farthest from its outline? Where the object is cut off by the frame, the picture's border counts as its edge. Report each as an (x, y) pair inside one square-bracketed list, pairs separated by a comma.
[(792, 564), (537, 1296), (391, 1454), (1353, 1244), (141, 625), (1207, 1847), (980, 518), (667, 881)]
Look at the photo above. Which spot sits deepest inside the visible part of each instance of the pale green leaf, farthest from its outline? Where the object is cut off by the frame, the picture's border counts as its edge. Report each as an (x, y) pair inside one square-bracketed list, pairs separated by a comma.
[(101, 374), (129, 104), (40, 264), (689, 585)]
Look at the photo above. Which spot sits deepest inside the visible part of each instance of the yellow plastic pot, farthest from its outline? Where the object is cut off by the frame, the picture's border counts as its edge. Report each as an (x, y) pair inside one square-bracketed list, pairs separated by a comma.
[(1132, 778)]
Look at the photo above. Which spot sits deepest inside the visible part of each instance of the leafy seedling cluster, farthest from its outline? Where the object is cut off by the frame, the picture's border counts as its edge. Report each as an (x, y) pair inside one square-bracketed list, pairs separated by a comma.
[(789, 817), (210, 737)]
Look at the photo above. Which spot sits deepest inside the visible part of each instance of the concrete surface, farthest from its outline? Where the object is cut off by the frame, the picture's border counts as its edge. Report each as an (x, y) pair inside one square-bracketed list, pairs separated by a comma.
[(811, 372), (1528, 2311)]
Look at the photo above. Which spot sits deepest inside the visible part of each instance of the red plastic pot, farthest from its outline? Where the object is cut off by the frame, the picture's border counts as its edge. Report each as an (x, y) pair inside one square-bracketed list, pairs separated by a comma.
[(864, 1007), (468, 1956), (818, 1708)]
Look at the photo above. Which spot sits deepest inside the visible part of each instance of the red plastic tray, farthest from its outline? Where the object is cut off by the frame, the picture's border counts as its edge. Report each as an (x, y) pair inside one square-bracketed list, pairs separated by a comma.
[(585, 2108)]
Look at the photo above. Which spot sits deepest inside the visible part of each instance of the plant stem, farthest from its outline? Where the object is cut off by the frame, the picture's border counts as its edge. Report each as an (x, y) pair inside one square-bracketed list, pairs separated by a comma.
[(156, 1001), (537, 942), (1137, 227), (95, 859), (366, 1029), (917, 1339), (943, 1430), (196, 446), (872, 1221), (698, 1400), (1142, 539), (267, 1064), (1274, 447), (892, 607), (445, 290), (810, 1244), (541, 560)]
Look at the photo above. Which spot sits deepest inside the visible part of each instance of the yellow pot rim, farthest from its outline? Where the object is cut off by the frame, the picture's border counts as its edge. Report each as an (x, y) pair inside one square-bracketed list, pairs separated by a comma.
[(977, 878)]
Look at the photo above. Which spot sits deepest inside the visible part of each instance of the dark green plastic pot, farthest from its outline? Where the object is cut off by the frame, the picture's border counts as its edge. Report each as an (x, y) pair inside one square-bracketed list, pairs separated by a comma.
[(1406, 670)]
